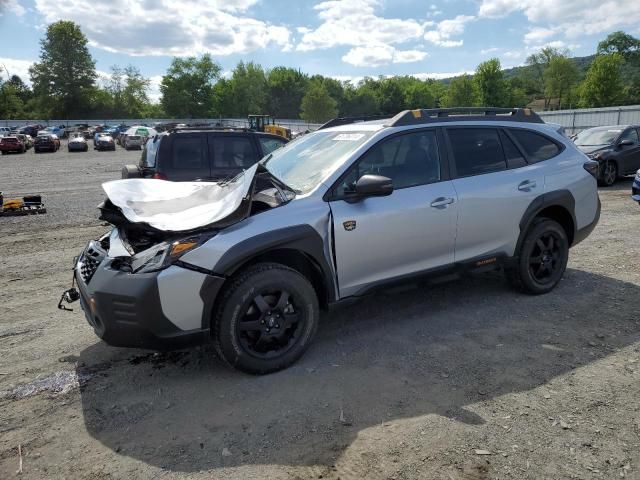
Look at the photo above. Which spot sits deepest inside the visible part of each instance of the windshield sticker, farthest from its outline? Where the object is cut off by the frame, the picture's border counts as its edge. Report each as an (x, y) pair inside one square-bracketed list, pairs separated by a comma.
[(349, 137)]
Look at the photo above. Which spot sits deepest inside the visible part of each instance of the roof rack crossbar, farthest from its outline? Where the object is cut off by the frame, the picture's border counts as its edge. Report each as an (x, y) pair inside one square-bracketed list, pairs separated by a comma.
[(336, 122), (432, 115), (218, 128)]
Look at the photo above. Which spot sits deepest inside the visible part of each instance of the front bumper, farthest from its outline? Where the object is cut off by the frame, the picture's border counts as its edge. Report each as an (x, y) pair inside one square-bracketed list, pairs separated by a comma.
[(126, 310)]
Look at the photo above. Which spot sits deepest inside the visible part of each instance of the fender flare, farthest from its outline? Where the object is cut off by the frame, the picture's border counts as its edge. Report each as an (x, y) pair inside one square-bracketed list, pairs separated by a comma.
[(557, 198), (302, 238)]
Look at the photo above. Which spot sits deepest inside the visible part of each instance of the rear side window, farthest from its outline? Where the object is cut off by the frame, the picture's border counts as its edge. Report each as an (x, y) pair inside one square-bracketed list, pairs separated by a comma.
[(535, 146), (270, 144), (189, 153), (233, 152), (476, 151), (630, 134), (149, 153), (515, 159)]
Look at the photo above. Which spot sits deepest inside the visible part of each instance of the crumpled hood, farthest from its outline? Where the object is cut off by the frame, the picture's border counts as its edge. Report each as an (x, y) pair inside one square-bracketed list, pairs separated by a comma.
[(178, 206), (593, 148)]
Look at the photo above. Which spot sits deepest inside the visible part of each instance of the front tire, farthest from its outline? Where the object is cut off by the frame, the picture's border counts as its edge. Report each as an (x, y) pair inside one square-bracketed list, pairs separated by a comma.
[(267, 318), (609, 174), (542, 259)]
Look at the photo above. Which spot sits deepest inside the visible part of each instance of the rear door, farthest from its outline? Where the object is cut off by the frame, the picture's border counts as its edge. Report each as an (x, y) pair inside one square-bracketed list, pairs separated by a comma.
[(185, 159), (229, 154), (494, 185)]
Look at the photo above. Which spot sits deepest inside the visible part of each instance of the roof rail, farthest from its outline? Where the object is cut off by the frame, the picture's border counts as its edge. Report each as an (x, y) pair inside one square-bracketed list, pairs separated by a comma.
[(433, 115), (336, 122), (219, 128)]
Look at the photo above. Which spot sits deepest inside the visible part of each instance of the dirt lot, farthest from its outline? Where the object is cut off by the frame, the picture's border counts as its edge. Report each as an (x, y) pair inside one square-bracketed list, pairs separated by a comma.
[(464, 380)]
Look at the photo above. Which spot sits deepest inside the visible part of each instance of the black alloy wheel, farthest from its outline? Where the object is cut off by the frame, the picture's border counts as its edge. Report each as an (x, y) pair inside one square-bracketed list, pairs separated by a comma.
[(542, 257), (270, 324), (266, 319)]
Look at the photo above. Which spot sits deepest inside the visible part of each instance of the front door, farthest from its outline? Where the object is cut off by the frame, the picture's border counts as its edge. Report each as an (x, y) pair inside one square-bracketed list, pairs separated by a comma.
[(378, 239)]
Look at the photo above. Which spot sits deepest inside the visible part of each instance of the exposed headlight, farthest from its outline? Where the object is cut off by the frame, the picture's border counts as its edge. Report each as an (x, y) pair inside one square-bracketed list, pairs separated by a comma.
[(164, 254)]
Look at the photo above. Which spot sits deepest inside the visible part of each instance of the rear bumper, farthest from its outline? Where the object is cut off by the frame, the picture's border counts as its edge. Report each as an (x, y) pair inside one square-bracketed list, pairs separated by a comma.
[(584, 232), (125, 310)]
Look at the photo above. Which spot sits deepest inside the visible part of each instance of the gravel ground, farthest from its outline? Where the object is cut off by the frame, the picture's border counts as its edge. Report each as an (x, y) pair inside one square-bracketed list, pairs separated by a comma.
[(462, 380)]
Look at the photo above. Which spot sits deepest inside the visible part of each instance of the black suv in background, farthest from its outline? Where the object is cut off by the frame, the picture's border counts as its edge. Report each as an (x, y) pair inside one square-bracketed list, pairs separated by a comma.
[(616, 148), (207, 154)]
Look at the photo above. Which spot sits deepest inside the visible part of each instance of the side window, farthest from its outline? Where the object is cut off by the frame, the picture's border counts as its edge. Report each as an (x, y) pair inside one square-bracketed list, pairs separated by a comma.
[(630, 134), (409, 160), (514, 156), (476, 151), (269, 144), (149, 152), (233, 152), (188, 153), (535, 146)]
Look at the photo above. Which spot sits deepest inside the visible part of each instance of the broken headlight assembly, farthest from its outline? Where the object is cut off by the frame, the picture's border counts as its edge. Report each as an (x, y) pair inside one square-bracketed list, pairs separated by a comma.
[(165, 254)]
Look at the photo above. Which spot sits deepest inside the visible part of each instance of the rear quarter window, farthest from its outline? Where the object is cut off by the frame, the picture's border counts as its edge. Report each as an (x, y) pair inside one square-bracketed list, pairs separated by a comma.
[(536, 147)]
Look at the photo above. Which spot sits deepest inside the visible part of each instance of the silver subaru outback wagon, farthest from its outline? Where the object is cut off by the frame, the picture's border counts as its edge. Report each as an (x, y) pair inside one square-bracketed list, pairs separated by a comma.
[(249, 262)]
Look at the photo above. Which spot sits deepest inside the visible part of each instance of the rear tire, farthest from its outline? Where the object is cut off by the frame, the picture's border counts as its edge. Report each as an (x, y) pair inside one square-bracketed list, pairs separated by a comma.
[(609, 174), (542, 259), (266, 319)]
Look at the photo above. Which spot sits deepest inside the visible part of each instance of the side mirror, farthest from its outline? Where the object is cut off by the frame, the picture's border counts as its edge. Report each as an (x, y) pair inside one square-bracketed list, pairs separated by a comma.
[(374, 186), (625, 143)]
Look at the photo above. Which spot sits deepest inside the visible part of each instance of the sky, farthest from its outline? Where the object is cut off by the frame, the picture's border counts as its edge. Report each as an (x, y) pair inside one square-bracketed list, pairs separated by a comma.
[(344, 39)]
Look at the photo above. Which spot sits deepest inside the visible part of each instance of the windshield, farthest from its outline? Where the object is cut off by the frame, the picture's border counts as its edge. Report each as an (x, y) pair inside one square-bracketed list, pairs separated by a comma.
[(597, 137), (303, 163)]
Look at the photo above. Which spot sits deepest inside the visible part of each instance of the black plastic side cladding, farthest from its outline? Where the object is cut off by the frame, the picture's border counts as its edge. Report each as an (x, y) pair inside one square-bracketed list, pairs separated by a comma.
[(302, 238), (558, 198)]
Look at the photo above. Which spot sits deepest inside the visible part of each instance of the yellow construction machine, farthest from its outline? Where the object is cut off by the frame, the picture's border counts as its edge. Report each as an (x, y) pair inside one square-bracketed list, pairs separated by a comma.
[(267, 124)]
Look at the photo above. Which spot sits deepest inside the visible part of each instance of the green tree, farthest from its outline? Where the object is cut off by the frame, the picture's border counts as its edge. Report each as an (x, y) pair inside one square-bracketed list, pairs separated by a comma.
[(65, 75), (418, 94), (492, 89), (187, 88), (462, 92), (317, 105), (560, 77), (602, 87), (358, 102), (249, 89), (11, 105), (134, 93), (534, 76), (286, 89), (622, 43)]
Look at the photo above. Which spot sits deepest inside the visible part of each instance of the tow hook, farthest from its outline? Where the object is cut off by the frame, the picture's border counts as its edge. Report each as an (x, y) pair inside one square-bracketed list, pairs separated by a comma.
[(69, 296)]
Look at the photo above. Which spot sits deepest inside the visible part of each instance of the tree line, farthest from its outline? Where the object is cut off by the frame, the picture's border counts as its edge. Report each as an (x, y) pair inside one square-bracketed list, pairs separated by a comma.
[(65, 85)]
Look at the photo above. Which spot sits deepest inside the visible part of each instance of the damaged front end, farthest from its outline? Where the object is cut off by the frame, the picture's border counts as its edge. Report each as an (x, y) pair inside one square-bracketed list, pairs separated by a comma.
[(157, 222)]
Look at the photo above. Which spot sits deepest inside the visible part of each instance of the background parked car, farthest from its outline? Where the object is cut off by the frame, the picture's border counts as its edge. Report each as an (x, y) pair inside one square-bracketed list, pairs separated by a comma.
[(104, 142), (26, 139), (616, 148), (204, 154), (46, 143), (5, 131), (12, 144), (31, 130), (77, 143), (133, 141), (59, 131)]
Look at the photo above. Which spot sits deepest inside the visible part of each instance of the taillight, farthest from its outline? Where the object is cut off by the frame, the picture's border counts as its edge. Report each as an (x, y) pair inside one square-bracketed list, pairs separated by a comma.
[(591, 166), (160, 176)]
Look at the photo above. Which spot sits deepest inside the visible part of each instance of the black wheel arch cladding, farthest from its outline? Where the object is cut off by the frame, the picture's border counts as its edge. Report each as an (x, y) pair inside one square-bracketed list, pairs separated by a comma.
[(301, 238), (559, 198)]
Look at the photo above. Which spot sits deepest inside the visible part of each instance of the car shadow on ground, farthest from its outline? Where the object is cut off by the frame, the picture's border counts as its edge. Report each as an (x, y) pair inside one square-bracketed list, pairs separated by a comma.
[(397, 355)]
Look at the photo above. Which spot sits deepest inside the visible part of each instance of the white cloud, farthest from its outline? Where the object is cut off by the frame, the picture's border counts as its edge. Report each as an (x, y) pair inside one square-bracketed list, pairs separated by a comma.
[(168, 27), (154, 88), (446, 29), (572, 18), (11, 6), (355, 79), (538, 34), (486, 51), (513, 54), (13, 66), (354, 23), (378, 55)]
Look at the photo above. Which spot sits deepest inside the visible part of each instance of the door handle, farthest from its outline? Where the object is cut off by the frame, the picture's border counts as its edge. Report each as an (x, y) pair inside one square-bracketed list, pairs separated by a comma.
[(527, 185), (441, 202)]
